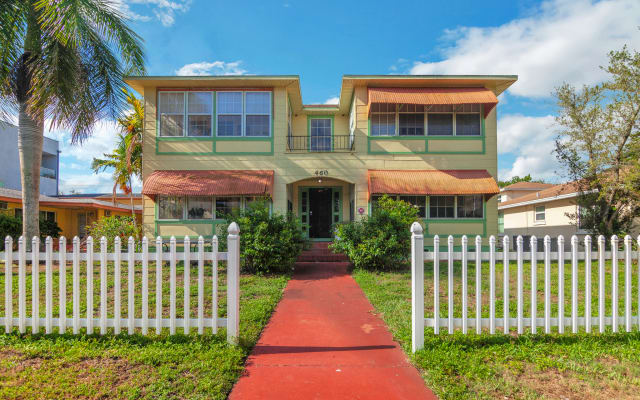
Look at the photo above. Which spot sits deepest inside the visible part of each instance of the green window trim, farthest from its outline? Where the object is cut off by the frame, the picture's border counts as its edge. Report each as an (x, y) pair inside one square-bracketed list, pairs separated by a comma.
[(214, 138), (312, 117)]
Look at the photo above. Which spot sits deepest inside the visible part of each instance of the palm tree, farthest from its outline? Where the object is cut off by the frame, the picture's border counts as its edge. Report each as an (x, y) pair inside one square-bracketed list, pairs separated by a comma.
[(123, 167), (63, 61)]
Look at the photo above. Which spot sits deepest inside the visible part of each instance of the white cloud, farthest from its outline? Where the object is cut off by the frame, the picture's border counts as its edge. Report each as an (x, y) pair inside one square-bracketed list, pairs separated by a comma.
[(333, 100), (212, 68), (164, 10), (563, 41), (531, 141), (102, 140)]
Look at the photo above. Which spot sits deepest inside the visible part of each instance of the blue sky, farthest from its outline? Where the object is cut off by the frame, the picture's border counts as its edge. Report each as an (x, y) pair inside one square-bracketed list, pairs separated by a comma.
[(545, 43)]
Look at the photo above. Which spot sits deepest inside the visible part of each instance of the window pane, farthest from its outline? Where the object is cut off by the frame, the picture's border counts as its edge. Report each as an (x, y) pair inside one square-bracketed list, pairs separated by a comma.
[(383, 107), (470, 206), (226, 205), (383, 124), (441, 206), (440, 108), (467, 124), (229, 103), (200, 208), (171, 125), (411, 124), (199, 125), (419, 202), (320, 134), (257, 125), (258, 102), (170, 207), (229, 125), (171, 102), (440, 124), (201, 103)]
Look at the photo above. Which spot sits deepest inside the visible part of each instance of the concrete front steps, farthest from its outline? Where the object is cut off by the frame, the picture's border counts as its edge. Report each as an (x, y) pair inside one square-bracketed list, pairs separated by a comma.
[(319, 252)]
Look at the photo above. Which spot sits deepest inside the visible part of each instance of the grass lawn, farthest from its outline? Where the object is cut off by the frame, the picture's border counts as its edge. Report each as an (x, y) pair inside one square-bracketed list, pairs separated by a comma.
[(580, 366), (135, 367)]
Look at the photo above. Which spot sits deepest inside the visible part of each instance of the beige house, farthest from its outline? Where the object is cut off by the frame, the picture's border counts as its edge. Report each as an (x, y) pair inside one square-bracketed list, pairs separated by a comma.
[(212, 144), (528, 208)]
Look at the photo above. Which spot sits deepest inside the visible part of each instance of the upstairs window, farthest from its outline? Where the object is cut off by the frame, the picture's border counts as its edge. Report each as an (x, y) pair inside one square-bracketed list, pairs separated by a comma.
[(383, 120), (411, 120), (432, 120), (244, 114), (540, 214), (171, 113), (185, 113)]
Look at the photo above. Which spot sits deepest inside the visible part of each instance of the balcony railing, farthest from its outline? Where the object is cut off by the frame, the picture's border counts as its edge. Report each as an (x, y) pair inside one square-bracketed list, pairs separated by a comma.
[(48, 172), (320, 144)]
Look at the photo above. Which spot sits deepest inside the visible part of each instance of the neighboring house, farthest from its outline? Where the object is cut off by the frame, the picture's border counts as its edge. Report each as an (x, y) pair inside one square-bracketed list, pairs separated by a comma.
[(121, 198), (212, 144), (10, 162), (539, 209), (71, 214)]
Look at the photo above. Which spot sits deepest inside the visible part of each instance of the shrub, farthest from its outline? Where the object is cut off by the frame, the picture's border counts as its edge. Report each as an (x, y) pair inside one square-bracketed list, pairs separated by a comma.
[(381, 241), (12, 226), (268, 243), (9, 226), (110, 227)]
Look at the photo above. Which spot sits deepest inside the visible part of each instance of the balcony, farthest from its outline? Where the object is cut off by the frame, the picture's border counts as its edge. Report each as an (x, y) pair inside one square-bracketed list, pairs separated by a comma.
[(320, 144), (48, 172)]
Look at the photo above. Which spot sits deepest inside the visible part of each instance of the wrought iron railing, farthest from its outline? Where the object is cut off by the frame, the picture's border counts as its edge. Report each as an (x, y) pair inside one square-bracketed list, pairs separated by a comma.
[(320, 144)]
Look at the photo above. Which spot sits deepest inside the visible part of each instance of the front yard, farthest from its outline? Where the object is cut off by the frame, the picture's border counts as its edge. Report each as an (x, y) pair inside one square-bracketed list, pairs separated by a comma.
[(135, 367), (581, 366)]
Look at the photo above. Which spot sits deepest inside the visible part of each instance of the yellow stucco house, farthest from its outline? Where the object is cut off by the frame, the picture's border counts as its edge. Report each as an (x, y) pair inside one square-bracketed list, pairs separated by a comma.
[(212, 144)]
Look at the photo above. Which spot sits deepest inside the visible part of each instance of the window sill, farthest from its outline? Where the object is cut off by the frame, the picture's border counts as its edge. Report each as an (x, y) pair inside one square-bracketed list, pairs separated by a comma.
[(183, 138)]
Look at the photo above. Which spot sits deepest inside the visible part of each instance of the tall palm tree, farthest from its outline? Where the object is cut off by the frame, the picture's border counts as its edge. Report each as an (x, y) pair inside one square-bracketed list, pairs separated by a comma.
[(124, 167), (63, 61)]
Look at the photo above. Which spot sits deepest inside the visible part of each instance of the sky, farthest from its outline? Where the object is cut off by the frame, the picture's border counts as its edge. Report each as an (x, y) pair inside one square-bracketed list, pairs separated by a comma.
[(544, 43)]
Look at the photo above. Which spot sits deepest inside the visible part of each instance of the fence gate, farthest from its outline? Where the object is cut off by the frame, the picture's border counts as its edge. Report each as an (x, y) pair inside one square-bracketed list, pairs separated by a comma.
[(137, 264), (485, 317)]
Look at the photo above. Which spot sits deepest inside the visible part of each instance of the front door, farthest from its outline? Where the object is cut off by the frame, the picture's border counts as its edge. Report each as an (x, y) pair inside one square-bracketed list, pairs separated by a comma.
[(320, 208)]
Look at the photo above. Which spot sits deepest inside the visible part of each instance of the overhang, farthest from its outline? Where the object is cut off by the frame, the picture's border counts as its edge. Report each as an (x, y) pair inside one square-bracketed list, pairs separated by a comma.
[(432, 182), (209, 183), (434, 95)]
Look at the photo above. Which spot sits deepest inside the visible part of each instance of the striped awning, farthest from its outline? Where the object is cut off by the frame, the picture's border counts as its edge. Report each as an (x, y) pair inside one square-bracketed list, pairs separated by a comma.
[(432, 182), (209, 183), (434, 95)]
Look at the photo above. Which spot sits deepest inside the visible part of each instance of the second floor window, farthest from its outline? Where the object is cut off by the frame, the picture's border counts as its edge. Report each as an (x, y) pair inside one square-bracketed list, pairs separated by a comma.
[(191, 114), (244, 114), (432, 120)]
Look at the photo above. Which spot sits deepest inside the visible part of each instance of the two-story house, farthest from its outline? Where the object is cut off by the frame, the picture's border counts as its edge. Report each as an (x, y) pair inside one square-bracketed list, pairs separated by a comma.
[(214, 143)]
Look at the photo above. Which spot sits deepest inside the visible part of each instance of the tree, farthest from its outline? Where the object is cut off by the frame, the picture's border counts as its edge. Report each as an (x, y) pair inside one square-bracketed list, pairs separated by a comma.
[(599, 145), (123, 170), (516, 179), (63, 61)]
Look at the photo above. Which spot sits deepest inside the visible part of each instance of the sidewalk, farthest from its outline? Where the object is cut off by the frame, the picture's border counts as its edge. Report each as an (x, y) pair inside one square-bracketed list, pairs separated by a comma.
[(324, 342)]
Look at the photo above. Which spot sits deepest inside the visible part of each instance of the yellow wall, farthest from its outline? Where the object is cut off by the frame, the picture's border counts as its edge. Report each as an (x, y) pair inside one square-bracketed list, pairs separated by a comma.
[(292, 168)]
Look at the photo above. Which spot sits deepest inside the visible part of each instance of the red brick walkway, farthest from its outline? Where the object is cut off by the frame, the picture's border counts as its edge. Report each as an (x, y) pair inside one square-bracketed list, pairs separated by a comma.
[(325, 342)]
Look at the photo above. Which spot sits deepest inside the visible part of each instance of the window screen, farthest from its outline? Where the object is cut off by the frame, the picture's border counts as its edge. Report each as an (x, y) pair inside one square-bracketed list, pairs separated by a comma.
[(441, 206), (440, 124)]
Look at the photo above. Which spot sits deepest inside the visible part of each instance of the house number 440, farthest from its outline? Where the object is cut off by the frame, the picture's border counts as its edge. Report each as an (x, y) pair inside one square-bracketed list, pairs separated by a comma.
[(322, 172)]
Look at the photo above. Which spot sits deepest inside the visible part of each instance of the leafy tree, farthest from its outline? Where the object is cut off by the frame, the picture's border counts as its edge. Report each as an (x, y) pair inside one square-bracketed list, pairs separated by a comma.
[(516, 179), (599, 145), (381, 241), (63, 61), (113, 226)]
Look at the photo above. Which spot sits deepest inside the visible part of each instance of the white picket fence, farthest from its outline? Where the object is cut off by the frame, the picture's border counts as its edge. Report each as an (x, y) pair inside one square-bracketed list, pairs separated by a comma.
[(532, 321), (118, 321)]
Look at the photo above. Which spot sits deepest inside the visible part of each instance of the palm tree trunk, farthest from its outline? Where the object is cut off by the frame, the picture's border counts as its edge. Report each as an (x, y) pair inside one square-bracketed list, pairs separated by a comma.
[(30, 140)]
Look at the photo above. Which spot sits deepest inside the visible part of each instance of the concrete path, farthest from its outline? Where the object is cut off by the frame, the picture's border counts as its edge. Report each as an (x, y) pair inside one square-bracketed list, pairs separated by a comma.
[(325, 342)]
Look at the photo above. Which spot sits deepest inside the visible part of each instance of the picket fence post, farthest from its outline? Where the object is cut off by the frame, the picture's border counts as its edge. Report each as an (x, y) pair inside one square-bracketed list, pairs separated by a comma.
[(233, 282), (8, 283), (417, 287)]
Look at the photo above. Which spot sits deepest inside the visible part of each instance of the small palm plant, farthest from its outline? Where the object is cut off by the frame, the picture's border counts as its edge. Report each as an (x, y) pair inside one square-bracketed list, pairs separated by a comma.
[(63, 61)]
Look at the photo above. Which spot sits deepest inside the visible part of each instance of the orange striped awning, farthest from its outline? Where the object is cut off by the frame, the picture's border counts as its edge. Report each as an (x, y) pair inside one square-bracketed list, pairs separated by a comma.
[(435, 95), (209, 183), (432, 182)]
